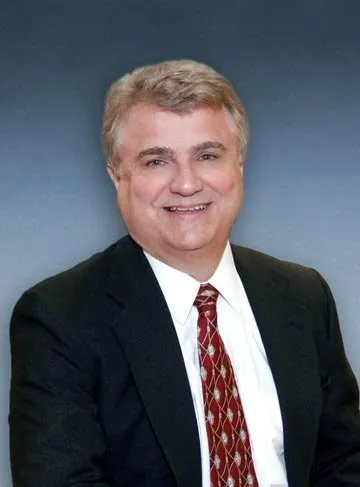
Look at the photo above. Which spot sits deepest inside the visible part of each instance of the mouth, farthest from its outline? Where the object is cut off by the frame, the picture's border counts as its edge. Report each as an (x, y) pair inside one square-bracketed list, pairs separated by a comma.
[(187, 209)]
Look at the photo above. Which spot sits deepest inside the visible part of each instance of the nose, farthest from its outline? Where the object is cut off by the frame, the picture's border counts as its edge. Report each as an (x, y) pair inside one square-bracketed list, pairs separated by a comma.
[(186, 180)]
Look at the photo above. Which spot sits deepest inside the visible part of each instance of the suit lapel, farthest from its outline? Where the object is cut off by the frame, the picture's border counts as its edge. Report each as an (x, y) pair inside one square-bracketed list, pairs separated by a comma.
[(291, 355), (146, 333)]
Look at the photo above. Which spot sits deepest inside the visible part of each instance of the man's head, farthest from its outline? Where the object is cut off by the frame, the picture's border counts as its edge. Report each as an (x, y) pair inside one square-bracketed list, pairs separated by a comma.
[(175, 137)]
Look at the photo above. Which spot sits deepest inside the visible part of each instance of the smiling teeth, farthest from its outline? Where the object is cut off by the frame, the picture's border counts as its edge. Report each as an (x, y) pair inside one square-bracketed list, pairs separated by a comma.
[(193, 208)]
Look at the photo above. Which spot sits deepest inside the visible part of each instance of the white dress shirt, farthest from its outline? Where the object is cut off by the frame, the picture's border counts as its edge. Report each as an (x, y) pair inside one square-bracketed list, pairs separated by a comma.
[(243, 343)]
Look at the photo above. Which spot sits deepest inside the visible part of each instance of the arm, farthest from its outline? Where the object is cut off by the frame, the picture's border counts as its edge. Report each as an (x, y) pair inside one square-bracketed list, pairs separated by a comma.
[(55, 438), (337, 462)]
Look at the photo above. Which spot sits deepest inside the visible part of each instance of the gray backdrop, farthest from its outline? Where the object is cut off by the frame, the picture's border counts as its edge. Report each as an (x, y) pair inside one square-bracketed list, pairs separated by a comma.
[(295, 64)]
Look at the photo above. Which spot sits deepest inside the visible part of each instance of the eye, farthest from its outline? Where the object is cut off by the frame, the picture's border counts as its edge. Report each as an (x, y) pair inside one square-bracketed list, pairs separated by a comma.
[(155, 163), (208, 157)]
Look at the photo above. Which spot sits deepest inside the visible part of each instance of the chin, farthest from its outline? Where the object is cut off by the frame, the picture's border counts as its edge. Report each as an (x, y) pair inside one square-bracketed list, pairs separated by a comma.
[(191, 245)]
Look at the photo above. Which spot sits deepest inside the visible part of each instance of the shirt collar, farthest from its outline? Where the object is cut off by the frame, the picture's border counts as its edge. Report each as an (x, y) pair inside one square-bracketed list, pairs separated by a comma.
[(227, 281), (180, 289)]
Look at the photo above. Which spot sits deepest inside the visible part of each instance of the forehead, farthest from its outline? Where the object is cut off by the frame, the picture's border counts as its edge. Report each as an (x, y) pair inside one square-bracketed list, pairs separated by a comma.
[(149, 124)]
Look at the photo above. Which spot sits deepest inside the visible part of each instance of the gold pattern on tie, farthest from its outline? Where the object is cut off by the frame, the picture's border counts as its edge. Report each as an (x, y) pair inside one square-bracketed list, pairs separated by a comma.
[(231, 463)]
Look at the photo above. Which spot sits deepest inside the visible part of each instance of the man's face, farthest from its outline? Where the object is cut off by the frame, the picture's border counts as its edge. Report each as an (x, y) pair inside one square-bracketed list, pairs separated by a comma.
[(179, 182)]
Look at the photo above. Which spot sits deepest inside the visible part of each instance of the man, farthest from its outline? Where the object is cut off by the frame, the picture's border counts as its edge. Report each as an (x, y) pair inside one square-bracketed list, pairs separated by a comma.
[(174, 358)]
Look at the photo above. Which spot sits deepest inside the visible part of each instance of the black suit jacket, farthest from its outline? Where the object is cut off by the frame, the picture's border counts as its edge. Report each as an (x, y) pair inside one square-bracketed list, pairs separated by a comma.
[(99, 391)]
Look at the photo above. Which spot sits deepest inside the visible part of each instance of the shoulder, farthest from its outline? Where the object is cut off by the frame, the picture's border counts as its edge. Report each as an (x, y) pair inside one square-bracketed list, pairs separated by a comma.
[(82, 276), (257, 259), (301, 281), (77, 289)]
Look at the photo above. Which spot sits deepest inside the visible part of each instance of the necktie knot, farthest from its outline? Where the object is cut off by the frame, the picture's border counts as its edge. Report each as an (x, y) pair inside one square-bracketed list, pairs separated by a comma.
[(206, 298)]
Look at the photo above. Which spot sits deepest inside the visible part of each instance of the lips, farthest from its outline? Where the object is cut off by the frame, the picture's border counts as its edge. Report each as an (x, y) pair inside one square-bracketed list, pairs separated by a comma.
[(186, 209)]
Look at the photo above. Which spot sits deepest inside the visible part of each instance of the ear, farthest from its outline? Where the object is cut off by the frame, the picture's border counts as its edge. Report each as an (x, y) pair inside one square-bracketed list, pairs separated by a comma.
[(241, 166), (113, 172)]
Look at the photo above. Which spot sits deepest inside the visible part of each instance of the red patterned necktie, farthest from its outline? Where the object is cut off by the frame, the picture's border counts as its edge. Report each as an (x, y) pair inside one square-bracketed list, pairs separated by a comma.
[(231, 462)]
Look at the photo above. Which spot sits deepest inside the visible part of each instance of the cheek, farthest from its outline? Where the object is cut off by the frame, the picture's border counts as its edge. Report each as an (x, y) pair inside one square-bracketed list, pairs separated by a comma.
[(136, 192), (231, 185)]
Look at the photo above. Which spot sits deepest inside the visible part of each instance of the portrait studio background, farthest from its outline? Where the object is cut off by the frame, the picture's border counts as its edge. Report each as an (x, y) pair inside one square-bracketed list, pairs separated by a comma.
[(296, 66)]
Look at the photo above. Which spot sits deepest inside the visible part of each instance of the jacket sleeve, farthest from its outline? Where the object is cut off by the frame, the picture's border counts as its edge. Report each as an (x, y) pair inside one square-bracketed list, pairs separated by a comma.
[(55, 438), (337, 461)]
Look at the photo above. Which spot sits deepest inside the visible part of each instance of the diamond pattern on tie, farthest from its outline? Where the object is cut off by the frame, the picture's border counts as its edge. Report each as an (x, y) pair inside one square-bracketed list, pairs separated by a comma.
[(231, 463)]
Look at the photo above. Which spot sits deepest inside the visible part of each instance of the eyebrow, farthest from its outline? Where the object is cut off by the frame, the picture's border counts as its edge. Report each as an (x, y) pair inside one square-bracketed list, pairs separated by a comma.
[(156, 151), (209, 144), (166, 151)]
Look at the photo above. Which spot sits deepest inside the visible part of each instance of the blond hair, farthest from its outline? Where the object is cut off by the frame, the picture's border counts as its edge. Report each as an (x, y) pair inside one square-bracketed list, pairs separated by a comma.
[(178, 86)]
